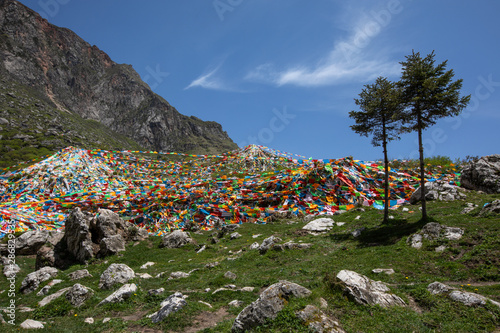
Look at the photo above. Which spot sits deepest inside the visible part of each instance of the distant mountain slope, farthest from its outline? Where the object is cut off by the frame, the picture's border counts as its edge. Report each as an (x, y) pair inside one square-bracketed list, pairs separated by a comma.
[(68, 74)]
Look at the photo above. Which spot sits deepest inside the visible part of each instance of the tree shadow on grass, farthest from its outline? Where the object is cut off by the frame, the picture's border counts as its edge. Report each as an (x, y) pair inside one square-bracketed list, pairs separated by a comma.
[(384, 234)]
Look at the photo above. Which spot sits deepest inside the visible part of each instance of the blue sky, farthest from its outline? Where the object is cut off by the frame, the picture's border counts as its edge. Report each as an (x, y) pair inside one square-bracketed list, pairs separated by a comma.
[(284, 73)]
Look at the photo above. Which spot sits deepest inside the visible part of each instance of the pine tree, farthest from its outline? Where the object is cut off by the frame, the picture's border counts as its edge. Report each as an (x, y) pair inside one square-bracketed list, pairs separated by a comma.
[(380, 104), (428, 94)]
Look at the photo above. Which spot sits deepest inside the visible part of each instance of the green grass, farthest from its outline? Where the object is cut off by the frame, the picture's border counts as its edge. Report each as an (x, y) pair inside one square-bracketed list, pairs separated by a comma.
[(470, 263)]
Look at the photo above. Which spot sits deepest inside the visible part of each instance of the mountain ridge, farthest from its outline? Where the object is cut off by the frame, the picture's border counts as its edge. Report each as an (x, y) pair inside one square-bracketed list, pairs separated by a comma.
[(70, 75)]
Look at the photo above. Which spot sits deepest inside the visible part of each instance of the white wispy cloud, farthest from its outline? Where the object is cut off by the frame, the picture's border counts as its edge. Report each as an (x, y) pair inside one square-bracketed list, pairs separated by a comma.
[(348, 60), (208, 81)]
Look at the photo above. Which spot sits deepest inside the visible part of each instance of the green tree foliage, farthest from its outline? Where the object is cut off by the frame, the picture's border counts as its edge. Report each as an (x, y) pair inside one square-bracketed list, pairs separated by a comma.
[(428, 93), (380, 104)]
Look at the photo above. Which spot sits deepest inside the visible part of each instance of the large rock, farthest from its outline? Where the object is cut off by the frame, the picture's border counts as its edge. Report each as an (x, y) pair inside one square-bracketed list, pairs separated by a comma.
[(320, 225), (367, 291), (33, 280), (121, 294), (464, 297), (115, 273), (10, 268), (434, 231), (107, 224), (268, 243), (46, 300), (492, 208), (175, 239), (30, 323), (77, 236), (317, 321), (30, 241), (270, 302), (171, 304), (438, 190), (111, 245), (482, 174), (79, 294)]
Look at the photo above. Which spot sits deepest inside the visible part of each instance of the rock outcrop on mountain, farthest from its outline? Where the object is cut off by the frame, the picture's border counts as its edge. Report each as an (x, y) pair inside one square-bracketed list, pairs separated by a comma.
[(60, 68)]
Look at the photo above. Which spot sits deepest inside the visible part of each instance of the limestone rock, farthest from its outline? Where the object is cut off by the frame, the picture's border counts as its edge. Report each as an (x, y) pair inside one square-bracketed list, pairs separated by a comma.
[(10, 268), (438, 288), (172, 304), (79, 294), (156, 291), (254, 246), (367, 291), (482, 175), (108, 224), (121, 294), (30, 323), (111, 245), (80, 274), (270, 302), (320, 225), (46, 300), (388, 271), (465, 297), (146, 265), (77, 236), (438, 190), (234, 235), (268, 244), (115, 273), (434, 231), (236, 303), (175, 239), (469, 207), (230, 275), (492, 208), (33, 280), (317, 321), (29, 242), (89, 320)]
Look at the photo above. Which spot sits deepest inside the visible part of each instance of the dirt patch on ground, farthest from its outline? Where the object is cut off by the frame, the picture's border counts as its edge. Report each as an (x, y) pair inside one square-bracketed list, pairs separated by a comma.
[(207, 319), (135, 316), (414, 306)]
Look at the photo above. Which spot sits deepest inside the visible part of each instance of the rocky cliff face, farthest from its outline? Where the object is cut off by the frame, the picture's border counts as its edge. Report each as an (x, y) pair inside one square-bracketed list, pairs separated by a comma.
[(81, 79)]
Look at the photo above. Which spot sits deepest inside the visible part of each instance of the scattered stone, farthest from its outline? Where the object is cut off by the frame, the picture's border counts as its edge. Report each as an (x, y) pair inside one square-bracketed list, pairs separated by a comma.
[(323, 303), (175, 239), (256, 236), (436, 288), (247, 289), (115, 273), (234, 235), (387, 271), (254, 246), (482, 175), (366, 291), (120, 295), (46, 300), (4, 121), (268, 244), (212, 264), (434, 231), (469, 207), (207, 304), (89, 320), (290, 245), (29, 323), (172, 304), (54, 282), (405, 209), (25, 309), (357, 232), (440, 248), (230, 275), (203, 248), (143, 275), (156, 291), (357, 217), (236, 303), (219, 289), (317, 321), (438, 190), (79, 294), (80, 274), (319, 225), (44, 291), (270, 302), (10, 269), (105, 320), (492, 208), (178, 275), (339, 224), (33, 280), (146, 265)]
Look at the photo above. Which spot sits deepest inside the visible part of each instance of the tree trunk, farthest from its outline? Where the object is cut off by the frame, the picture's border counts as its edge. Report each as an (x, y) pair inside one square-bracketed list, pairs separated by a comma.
[(386, 179), (422, 168)]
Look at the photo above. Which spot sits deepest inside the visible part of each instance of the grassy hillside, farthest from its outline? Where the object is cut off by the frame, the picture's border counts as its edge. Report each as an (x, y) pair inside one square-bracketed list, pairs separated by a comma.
[(471, 263)]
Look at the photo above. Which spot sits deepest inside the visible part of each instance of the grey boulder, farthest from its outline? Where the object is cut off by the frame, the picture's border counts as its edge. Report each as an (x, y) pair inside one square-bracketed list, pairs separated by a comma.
[(482, 174), (33, 280), (175, 239), (115, 273)]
